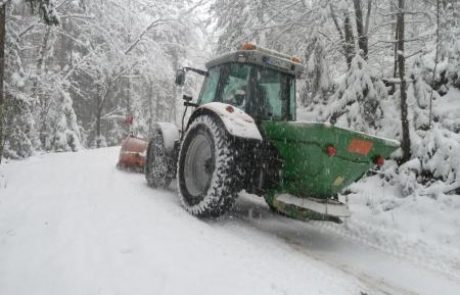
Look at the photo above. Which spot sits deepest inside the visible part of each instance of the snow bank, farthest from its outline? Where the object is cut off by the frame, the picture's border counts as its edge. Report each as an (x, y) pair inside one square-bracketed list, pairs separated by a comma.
[(421, 227)]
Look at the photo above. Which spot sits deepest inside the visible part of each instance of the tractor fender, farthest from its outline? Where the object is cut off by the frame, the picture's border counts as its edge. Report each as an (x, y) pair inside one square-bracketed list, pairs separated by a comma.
[(170, 134), (236, 121)]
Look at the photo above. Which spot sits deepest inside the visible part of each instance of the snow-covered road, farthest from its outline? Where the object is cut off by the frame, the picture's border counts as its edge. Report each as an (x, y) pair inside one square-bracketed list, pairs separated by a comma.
[(71, 223)]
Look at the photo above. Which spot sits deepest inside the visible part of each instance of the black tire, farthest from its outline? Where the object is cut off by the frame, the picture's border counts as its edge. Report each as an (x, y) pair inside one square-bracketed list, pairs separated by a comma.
[(207, 174), (158, 171)]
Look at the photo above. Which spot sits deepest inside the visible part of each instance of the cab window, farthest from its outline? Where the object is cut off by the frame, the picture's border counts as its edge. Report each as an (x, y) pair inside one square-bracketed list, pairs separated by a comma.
[(208, 91), (263, 93), (272, 95), (235, 87)]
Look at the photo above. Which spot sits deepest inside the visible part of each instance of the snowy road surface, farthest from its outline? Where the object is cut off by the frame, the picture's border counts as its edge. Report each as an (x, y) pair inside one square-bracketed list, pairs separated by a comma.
[(71, 223)]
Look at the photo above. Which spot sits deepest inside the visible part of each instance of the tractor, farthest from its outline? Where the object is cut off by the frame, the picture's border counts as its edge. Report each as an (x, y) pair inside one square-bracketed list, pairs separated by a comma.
[(243, 135)]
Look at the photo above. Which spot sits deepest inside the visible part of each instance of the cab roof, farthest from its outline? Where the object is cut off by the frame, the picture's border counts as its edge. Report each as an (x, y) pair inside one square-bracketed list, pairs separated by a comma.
[(262, 57)]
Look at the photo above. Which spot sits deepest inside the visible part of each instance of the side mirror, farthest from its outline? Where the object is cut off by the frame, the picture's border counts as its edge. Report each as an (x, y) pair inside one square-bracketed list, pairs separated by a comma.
[(187, 98), (180, 77)]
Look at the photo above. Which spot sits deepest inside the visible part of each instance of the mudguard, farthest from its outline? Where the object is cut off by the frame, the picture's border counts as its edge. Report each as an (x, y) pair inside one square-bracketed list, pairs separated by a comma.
[(237, 122), (170, 134)]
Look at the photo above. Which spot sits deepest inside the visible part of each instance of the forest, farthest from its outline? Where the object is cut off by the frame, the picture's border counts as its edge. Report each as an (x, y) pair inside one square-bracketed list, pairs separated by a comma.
[(76, 73)]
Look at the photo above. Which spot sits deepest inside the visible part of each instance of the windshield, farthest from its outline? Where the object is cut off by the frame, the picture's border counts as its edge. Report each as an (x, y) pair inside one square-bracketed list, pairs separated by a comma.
[(263, 93)]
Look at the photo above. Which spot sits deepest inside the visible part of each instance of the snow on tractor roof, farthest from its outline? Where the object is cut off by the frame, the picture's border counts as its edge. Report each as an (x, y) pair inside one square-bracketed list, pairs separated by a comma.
[(252, 54)]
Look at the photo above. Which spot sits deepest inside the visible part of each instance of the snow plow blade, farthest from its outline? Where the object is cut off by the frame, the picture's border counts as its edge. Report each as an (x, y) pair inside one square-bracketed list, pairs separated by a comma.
[(132, 154)]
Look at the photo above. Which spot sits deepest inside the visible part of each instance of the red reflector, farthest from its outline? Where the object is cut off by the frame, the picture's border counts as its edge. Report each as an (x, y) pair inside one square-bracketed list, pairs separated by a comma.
[(360, 146), (379, 161), (229, 109), (331, 150)]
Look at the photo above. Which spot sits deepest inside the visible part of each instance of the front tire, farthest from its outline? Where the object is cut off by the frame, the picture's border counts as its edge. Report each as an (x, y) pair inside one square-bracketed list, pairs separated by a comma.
[(158, 165), (207, 174)]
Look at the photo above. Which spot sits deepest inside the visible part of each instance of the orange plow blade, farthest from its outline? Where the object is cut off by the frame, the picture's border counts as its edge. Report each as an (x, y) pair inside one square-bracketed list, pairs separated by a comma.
[(132, 153)]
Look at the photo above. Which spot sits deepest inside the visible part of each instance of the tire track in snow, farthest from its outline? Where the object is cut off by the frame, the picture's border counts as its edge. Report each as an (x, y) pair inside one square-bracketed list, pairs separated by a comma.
[(419, 254), (255, 213), (373, 284)]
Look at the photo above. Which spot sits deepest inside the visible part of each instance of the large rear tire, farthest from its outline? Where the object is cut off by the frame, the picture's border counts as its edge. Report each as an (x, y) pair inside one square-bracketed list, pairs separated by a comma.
[(159, 170), (207, 174)]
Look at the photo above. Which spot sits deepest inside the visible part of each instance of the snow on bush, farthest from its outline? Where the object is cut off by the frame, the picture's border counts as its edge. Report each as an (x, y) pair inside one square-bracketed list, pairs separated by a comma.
[(65, 132), (435, 165), (419, 95), (21, 138)]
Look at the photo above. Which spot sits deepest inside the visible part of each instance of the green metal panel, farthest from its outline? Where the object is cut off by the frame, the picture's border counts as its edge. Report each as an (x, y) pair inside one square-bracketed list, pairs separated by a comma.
[(308, 171)]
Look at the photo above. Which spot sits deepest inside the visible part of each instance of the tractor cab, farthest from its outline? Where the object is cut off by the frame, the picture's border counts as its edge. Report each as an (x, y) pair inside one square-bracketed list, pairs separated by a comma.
[(256, 80)]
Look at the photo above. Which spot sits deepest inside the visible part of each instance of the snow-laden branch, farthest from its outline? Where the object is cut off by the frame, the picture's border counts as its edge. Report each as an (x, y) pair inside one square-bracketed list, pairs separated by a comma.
[(160, 21), (81, 62), (421, 38), (37, 22), (148, 28), (124, 71), (82, 16)]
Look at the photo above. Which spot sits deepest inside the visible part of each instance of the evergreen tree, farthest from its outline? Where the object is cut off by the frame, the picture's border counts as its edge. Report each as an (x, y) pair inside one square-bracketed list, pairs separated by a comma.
[(356, 103), (318, 82)]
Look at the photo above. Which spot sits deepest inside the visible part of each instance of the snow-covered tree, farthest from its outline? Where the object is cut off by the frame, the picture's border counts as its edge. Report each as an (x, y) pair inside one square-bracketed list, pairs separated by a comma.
[(15, 107), (356, 103), (318, 84), (105, 61), (419, 95)]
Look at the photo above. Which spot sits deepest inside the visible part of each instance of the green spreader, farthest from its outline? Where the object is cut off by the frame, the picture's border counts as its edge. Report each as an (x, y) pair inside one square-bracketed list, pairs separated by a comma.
[(319, 160)]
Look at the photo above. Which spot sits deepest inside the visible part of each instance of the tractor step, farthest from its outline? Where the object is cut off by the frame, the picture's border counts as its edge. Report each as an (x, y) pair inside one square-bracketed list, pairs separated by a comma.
[(324, 207)]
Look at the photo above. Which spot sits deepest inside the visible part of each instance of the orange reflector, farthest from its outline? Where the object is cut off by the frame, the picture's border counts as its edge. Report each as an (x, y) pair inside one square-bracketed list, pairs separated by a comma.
[(248, 46), (359, 146), (295, 59)]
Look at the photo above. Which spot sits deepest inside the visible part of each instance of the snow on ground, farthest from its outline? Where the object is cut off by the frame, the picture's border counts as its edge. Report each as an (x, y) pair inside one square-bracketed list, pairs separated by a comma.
[(71, 223), (424, 228)]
